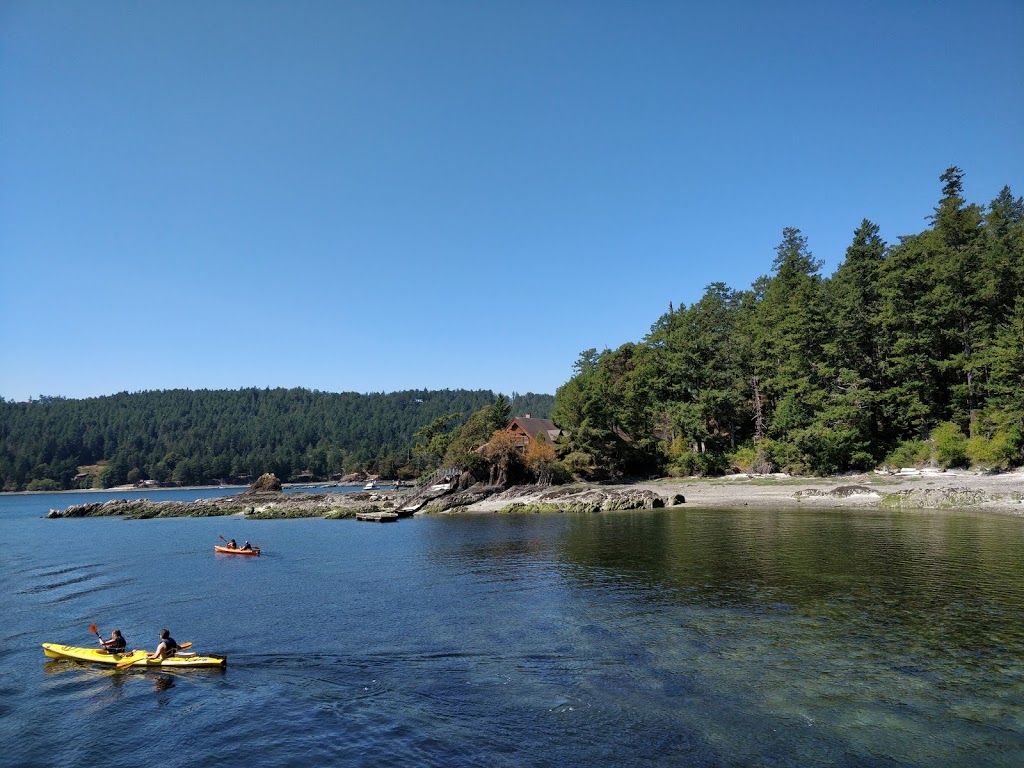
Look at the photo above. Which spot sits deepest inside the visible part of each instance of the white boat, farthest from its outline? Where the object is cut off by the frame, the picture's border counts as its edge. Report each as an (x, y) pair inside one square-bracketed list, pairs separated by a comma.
[(370, 485)]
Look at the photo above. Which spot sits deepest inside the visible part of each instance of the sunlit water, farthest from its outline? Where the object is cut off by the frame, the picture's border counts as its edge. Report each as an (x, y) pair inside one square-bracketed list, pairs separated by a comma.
[(667, 637)]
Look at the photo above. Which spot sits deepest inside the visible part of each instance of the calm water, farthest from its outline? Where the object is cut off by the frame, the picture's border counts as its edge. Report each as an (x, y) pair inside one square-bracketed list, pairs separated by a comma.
[(666, 637)]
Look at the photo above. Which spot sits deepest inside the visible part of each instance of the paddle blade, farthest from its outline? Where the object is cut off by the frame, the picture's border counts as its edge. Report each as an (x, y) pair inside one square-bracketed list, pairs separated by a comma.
[(130, 659), (92, 628), (221, 537), (184, 646)]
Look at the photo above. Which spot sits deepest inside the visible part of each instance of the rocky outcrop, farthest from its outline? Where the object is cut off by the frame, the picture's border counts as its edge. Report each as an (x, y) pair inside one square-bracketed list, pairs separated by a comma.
[(146, 508), (266, 483), (460, 499), (937, 498), (839, 492), (571, 498)]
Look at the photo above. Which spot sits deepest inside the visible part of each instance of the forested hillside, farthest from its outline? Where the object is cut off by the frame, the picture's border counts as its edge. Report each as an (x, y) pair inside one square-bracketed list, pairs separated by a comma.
[(910, 353), (207, 436)]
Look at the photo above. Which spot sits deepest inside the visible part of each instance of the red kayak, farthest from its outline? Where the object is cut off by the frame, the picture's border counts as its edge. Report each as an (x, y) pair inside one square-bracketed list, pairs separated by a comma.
[(236, 551)]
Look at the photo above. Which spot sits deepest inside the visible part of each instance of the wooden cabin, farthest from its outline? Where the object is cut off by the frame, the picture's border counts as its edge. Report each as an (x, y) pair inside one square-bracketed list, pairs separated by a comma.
[(529, 428)]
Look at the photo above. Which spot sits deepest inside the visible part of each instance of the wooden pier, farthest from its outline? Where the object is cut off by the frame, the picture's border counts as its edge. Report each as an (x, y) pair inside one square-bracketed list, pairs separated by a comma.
[(377, 517)]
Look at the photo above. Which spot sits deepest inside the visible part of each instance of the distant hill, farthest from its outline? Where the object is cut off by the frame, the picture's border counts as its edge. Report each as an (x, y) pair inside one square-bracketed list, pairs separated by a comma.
[(195, 437)]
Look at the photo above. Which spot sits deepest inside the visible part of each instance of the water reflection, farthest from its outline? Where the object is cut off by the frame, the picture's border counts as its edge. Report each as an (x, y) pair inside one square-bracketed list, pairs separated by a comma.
[(114, 677), (162, 682), (950, 580)]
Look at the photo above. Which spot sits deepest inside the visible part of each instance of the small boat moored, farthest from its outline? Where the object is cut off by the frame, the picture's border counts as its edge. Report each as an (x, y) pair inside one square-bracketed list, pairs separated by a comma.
[(95, 656)]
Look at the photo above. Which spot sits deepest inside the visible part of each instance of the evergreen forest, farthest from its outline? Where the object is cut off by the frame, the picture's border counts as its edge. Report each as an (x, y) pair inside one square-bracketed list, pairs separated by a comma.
[(187, 437), (910, 354)]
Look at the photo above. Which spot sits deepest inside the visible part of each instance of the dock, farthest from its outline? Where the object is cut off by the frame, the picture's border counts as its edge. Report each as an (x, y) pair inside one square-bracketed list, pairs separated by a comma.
[(377, 517)]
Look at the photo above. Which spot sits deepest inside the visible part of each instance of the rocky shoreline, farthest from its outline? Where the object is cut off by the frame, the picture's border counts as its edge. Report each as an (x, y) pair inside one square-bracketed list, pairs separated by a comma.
[(907, 489)]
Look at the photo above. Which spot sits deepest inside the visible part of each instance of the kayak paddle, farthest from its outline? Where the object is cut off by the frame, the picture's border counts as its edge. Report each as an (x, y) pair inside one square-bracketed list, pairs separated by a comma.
[(92, 628), (130, 659)]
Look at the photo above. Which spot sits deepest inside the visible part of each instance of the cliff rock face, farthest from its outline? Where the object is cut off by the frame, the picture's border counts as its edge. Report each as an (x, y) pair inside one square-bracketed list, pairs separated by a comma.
[(267, 483)]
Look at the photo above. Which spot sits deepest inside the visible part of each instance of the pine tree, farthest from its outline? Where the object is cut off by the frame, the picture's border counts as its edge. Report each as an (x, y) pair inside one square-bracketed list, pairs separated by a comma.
[(789, 328)]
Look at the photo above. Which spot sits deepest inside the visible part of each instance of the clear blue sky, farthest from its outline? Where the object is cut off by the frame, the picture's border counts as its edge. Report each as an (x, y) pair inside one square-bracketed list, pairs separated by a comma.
[(385, 195)]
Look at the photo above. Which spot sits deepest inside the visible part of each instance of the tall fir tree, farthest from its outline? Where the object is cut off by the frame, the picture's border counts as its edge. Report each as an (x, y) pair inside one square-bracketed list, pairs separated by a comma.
[(789, 331)]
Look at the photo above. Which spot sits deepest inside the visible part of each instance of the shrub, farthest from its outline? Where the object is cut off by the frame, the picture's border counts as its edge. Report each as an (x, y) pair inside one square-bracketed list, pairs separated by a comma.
[(828, 450), (1002, 450), (743, 458), (688, 463), (785, 456), (910, 453), (950, 445), (560, 474), (580, 464)]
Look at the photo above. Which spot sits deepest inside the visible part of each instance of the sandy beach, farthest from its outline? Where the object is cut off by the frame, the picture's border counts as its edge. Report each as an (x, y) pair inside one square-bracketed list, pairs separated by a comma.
[(909, 489)]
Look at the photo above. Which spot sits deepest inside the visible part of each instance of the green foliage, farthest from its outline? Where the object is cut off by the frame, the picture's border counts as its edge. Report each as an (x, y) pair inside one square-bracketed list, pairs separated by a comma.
[(999, 442), (997, 451), (433, 440), (46, 484), (209, 436), (743, 459), (463, 448), (692, 463), (581, 464), (950, 445), (500, 413), (910, 453), (785, 456), (560, 474), (824, 375)]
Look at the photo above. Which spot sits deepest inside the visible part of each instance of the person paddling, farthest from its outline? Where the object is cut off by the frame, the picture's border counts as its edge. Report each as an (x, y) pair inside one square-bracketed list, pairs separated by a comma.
[(116, 643), (232, 545), (166, 648)]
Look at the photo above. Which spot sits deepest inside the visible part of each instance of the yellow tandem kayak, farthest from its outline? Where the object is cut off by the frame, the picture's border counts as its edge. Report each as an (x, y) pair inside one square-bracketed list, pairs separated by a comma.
[(96, 656)]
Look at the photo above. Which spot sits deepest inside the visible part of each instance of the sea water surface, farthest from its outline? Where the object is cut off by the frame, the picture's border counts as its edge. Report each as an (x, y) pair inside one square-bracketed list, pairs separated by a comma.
[(650, 638)]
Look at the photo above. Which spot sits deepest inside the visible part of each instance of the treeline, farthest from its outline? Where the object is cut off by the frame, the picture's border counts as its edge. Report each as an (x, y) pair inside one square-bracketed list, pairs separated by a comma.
[(209, 436), (910, 353)]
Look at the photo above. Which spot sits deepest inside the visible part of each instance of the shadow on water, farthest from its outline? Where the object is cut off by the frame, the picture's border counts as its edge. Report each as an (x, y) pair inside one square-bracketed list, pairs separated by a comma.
[(162, 682)]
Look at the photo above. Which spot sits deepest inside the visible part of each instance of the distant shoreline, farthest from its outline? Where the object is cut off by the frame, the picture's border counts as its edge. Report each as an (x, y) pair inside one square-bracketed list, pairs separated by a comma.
[(1001, 492), (129, 488)]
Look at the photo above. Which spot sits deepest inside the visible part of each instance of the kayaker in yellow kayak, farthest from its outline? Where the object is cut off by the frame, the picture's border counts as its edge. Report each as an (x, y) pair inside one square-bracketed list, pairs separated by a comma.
[(166, 648), (116, 643)]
